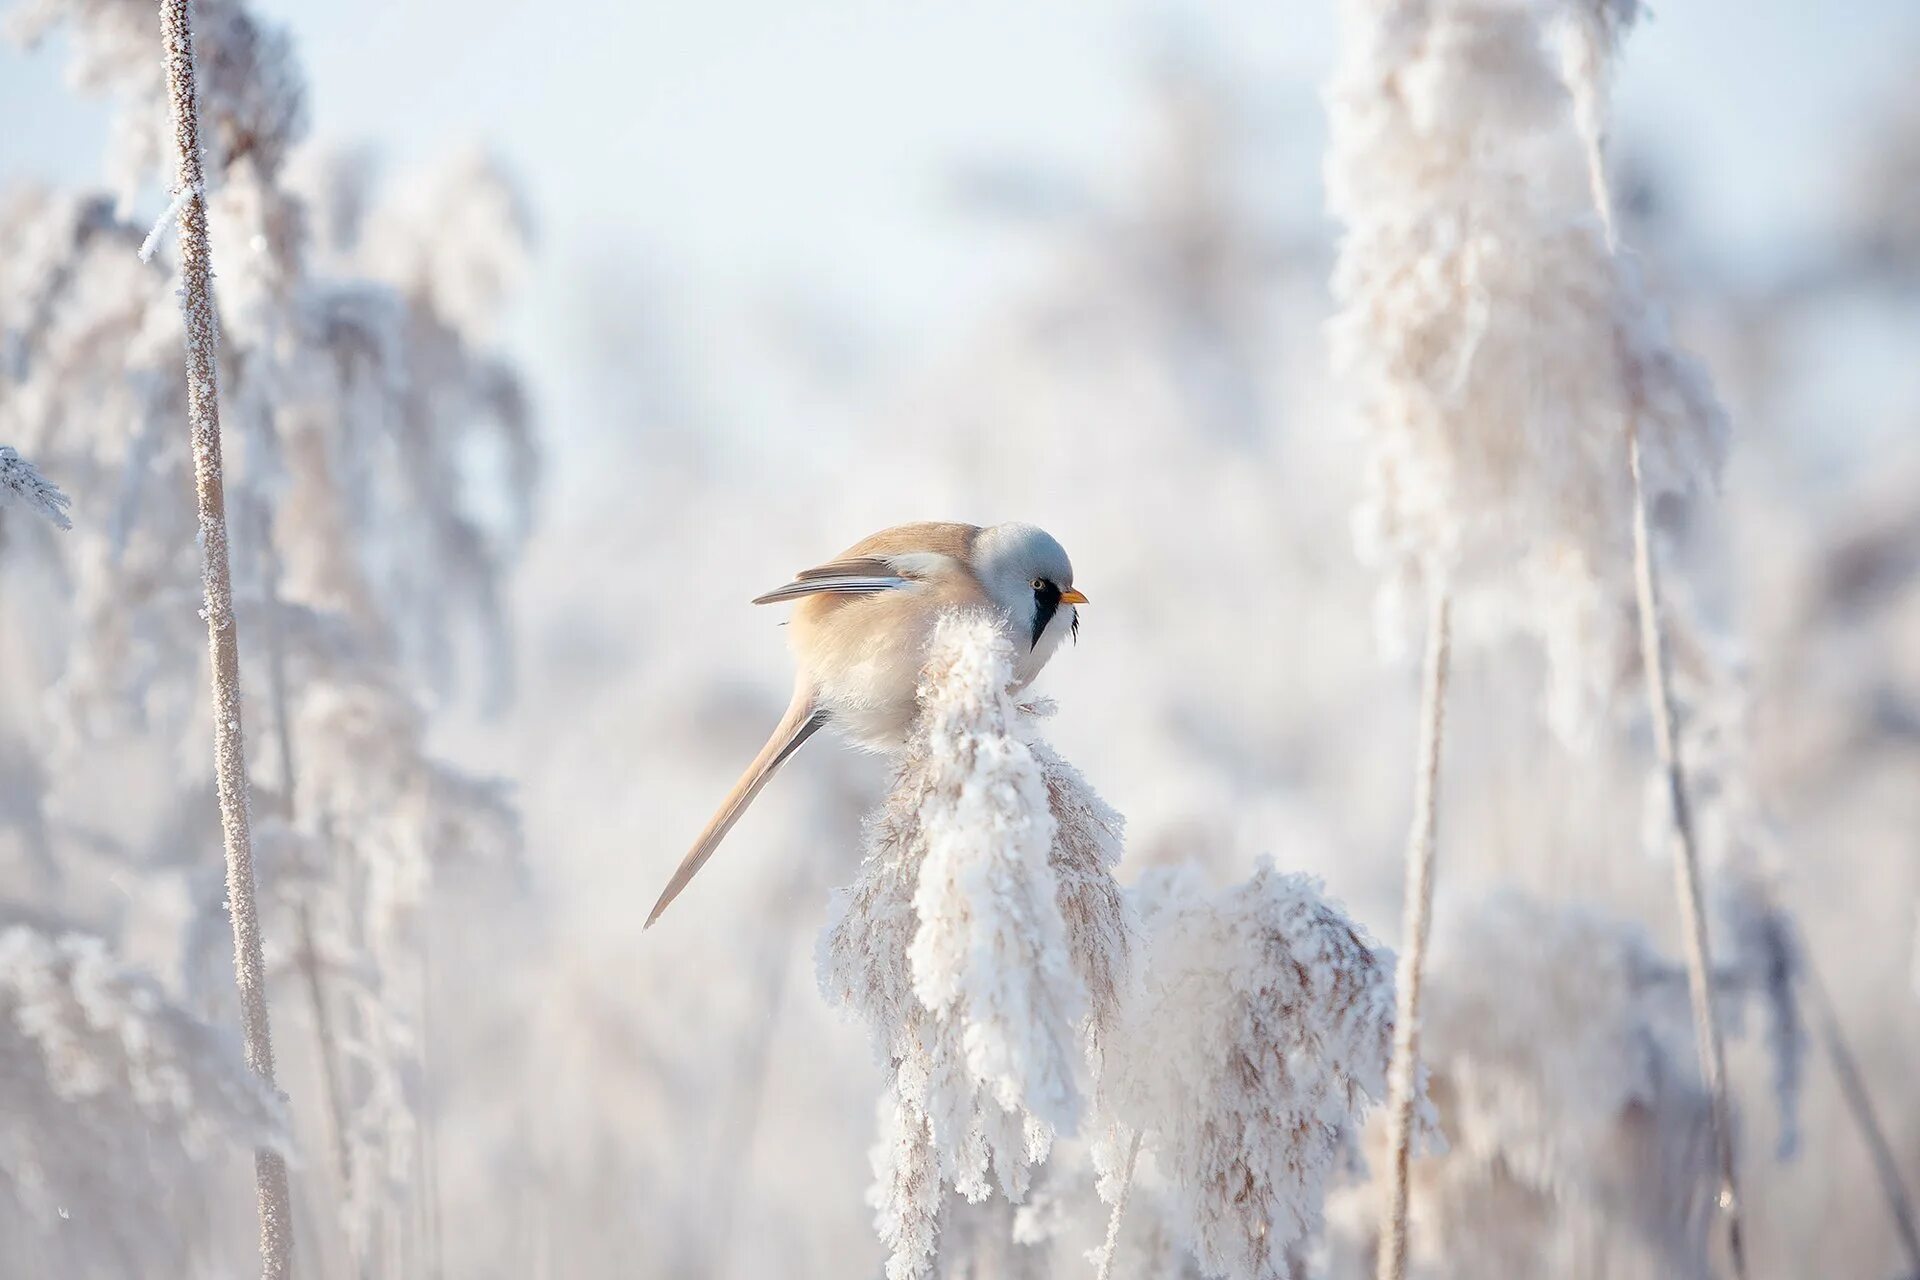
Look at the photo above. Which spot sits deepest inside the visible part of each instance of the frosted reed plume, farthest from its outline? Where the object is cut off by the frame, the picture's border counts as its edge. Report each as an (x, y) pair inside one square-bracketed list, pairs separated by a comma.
[(1100, 929), (367, 548), (22, 485), (685, 1108), (1261, 1041), (361, 390), (253, 102), (1579, 1138), (393, 821), (1507, 364), (111, 1095), (954, 945), (1482, 330), (347, 401), (990, 951)]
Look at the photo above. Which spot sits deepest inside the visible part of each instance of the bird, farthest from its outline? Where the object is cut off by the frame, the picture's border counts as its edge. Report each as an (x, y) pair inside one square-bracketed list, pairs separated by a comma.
[(860, 631)]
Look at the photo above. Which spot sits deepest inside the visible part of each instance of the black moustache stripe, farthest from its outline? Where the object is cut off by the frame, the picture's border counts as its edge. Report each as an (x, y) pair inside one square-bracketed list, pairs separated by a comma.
[(1046, 603)]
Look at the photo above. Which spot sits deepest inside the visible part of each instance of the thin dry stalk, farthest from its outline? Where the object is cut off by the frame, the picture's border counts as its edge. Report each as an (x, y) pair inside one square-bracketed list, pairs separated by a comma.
[(1686, 862), (1686, 867), (307, 954), (1112, 1247), (429, 1225), (733, 1149), (229, 744), (1853, 1087), (328, 1040), (1401, 1091)]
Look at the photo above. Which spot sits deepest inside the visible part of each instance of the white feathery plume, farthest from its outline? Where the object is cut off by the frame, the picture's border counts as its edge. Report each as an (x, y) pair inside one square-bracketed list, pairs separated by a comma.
[(105, 1031), (991, 946), (1580, 1140), (953, 943), (112, 1098), (253, 99), (387, 805), (1526, 408), (1261, 1040), (362, 409), (1496, 346)]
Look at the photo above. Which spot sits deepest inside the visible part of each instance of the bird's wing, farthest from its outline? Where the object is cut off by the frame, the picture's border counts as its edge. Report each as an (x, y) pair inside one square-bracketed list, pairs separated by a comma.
[(857, 576), (944, 538), (800, 722), (884, 561)]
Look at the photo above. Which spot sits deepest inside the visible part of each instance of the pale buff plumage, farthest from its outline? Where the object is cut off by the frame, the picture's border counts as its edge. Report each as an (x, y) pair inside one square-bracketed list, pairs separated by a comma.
[(860, 632)]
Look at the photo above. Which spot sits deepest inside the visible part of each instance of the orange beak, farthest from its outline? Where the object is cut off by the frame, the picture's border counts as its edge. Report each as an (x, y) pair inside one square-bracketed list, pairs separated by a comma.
[(1072, 596)]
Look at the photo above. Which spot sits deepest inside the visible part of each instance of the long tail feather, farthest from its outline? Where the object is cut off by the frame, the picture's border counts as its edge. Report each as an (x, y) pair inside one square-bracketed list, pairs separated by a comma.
[(800, 722)]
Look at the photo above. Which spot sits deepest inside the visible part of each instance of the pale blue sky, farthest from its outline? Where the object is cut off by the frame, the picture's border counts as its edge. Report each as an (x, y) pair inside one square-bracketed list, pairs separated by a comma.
[(753, 147)]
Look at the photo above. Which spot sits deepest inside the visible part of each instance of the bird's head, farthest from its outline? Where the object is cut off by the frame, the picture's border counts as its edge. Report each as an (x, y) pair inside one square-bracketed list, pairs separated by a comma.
[(1027, 574)]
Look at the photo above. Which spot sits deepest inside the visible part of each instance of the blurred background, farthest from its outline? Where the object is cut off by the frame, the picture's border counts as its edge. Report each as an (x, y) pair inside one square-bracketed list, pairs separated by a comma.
[(798, 272)]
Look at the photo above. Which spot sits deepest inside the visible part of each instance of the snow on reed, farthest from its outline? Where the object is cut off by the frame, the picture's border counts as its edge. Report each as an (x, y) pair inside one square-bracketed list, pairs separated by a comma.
[(1496, 347), (22, 485), (1100, 929), (362, 405), (1262, 1037), (361, 397), (105, 1034), (395, 821), (390, 807), (111, 1097), (1003, 975), (954, 945), (165, 222), (991, 937)]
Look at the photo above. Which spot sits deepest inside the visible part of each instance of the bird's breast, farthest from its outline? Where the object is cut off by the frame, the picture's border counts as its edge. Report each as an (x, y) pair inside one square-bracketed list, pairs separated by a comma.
[(863, 656)]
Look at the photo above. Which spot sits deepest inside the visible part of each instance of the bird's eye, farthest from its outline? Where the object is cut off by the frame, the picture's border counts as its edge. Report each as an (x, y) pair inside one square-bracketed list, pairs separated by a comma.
[(1039, 584)]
